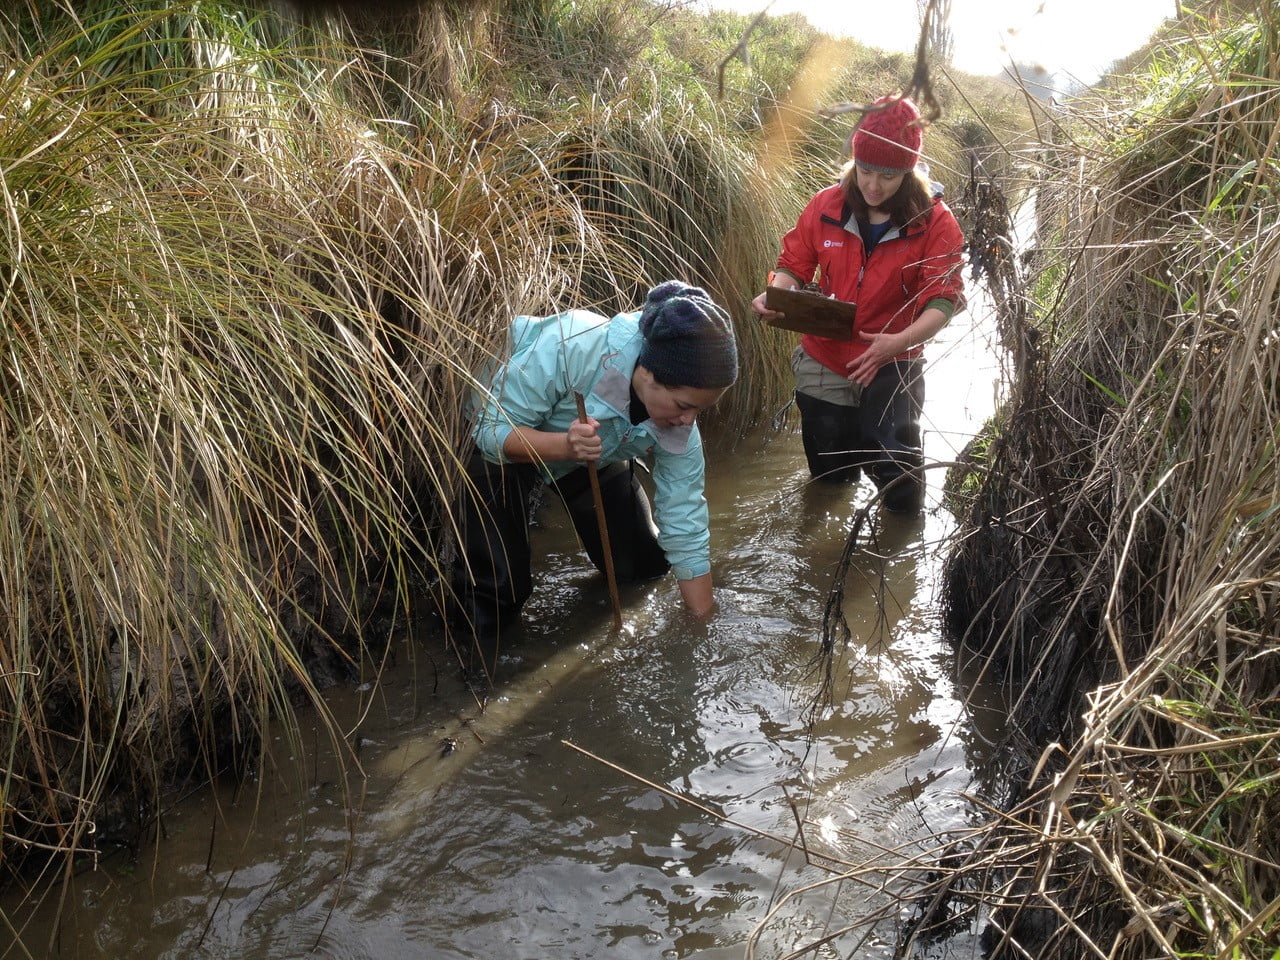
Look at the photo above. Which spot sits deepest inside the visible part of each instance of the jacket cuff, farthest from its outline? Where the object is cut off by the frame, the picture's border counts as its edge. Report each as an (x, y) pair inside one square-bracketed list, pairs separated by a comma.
[(689, 571)]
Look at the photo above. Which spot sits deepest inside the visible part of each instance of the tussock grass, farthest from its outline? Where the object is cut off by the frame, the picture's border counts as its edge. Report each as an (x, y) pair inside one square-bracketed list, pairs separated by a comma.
[(669, 184), (235, 346)]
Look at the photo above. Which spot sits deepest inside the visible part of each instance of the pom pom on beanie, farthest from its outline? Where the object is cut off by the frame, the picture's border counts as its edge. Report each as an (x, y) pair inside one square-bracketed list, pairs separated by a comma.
[(688, 338), (888, 140)]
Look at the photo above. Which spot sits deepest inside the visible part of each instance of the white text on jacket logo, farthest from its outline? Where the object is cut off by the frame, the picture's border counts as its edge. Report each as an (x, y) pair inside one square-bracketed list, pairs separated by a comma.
[(833, 243)]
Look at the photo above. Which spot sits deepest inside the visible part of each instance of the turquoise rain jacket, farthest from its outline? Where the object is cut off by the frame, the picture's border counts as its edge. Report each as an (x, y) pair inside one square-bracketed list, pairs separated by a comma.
[(580, 351)]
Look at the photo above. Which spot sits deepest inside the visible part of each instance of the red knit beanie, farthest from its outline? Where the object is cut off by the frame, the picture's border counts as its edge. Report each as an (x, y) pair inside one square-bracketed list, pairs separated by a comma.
[(888, 140)]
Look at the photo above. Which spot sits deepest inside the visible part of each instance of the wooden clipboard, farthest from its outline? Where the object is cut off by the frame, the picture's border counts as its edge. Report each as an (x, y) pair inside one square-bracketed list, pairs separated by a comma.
[(810, 313)]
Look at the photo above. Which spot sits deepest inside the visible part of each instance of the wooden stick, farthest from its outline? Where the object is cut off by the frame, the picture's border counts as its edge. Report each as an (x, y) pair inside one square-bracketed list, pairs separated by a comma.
[(604, 527)]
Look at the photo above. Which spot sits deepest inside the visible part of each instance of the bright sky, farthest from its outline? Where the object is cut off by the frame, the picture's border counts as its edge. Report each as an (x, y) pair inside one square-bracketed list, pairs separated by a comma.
[(1077, 37)]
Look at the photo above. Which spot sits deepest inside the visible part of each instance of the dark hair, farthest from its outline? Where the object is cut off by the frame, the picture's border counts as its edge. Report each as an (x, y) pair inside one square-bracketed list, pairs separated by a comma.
[(914, 199)]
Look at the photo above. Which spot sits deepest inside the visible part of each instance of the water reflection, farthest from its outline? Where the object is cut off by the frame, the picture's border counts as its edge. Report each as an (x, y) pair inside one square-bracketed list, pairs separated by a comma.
[(512, 844)]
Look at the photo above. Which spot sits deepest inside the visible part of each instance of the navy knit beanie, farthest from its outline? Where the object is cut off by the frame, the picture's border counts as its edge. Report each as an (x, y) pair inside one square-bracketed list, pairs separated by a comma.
[(688, 339)]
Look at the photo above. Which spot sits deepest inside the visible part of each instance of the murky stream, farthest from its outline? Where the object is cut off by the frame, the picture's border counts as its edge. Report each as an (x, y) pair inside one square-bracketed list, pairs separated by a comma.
[(516, 845)]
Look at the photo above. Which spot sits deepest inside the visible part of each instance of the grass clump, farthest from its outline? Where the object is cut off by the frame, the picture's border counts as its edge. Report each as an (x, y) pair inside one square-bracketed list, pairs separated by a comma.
[(234, 355)]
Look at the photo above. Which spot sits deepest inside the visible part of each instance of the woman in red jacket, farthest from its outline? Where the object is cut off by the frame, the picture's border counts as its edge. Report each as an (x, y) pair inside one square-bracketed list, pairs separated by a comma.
[(883, 240)]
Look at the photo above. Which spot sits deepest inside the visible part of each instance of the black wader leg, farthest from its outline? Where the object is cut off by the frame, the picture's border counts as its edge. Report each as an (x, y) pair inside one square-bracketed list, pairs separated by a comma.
[(632, 533), (831, 439), (890, 417), (491, 577)]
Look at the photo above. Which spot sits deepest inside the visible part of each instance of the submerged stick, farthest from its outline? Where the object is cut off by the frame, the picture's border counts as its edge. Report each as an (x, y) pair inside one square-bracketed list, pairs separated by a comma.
[(596, 495)]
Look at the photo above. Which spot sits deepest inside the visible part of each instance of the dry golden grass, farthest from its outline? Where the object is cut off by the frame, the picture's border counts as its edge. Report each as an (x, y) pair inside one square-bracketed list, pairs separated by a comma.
[(237, 340)]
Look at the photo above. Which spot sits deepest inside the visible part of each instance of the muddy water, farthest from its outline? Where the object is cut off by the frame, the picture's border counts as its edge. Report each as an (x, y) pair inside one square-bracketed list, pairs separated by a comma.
[(489, 835)]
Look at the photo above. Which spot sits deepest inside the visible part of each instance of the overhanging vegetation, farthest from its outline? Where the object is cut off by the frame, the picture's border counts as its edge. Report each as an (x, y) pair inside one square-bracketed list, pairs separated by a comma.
[(1118, 571)]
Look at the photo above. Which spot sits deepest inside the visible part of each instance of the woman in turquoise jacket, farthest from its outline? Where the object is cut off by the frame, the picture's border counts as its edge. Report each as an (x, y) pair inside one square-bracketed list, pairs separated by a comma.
[(644, 377)]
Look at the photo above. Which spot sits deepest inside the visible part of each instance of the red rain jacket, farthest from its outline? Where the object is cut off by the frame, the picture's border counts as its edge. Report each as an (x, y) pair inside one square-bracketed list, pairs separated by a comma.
[(908, 268)]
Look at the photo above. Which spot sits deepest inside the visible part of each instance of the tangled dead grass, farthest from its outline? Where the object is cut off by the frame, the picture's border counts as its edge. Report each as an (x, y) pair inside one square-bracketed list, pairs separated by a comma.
[(1118, 568), (1121, 568)]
